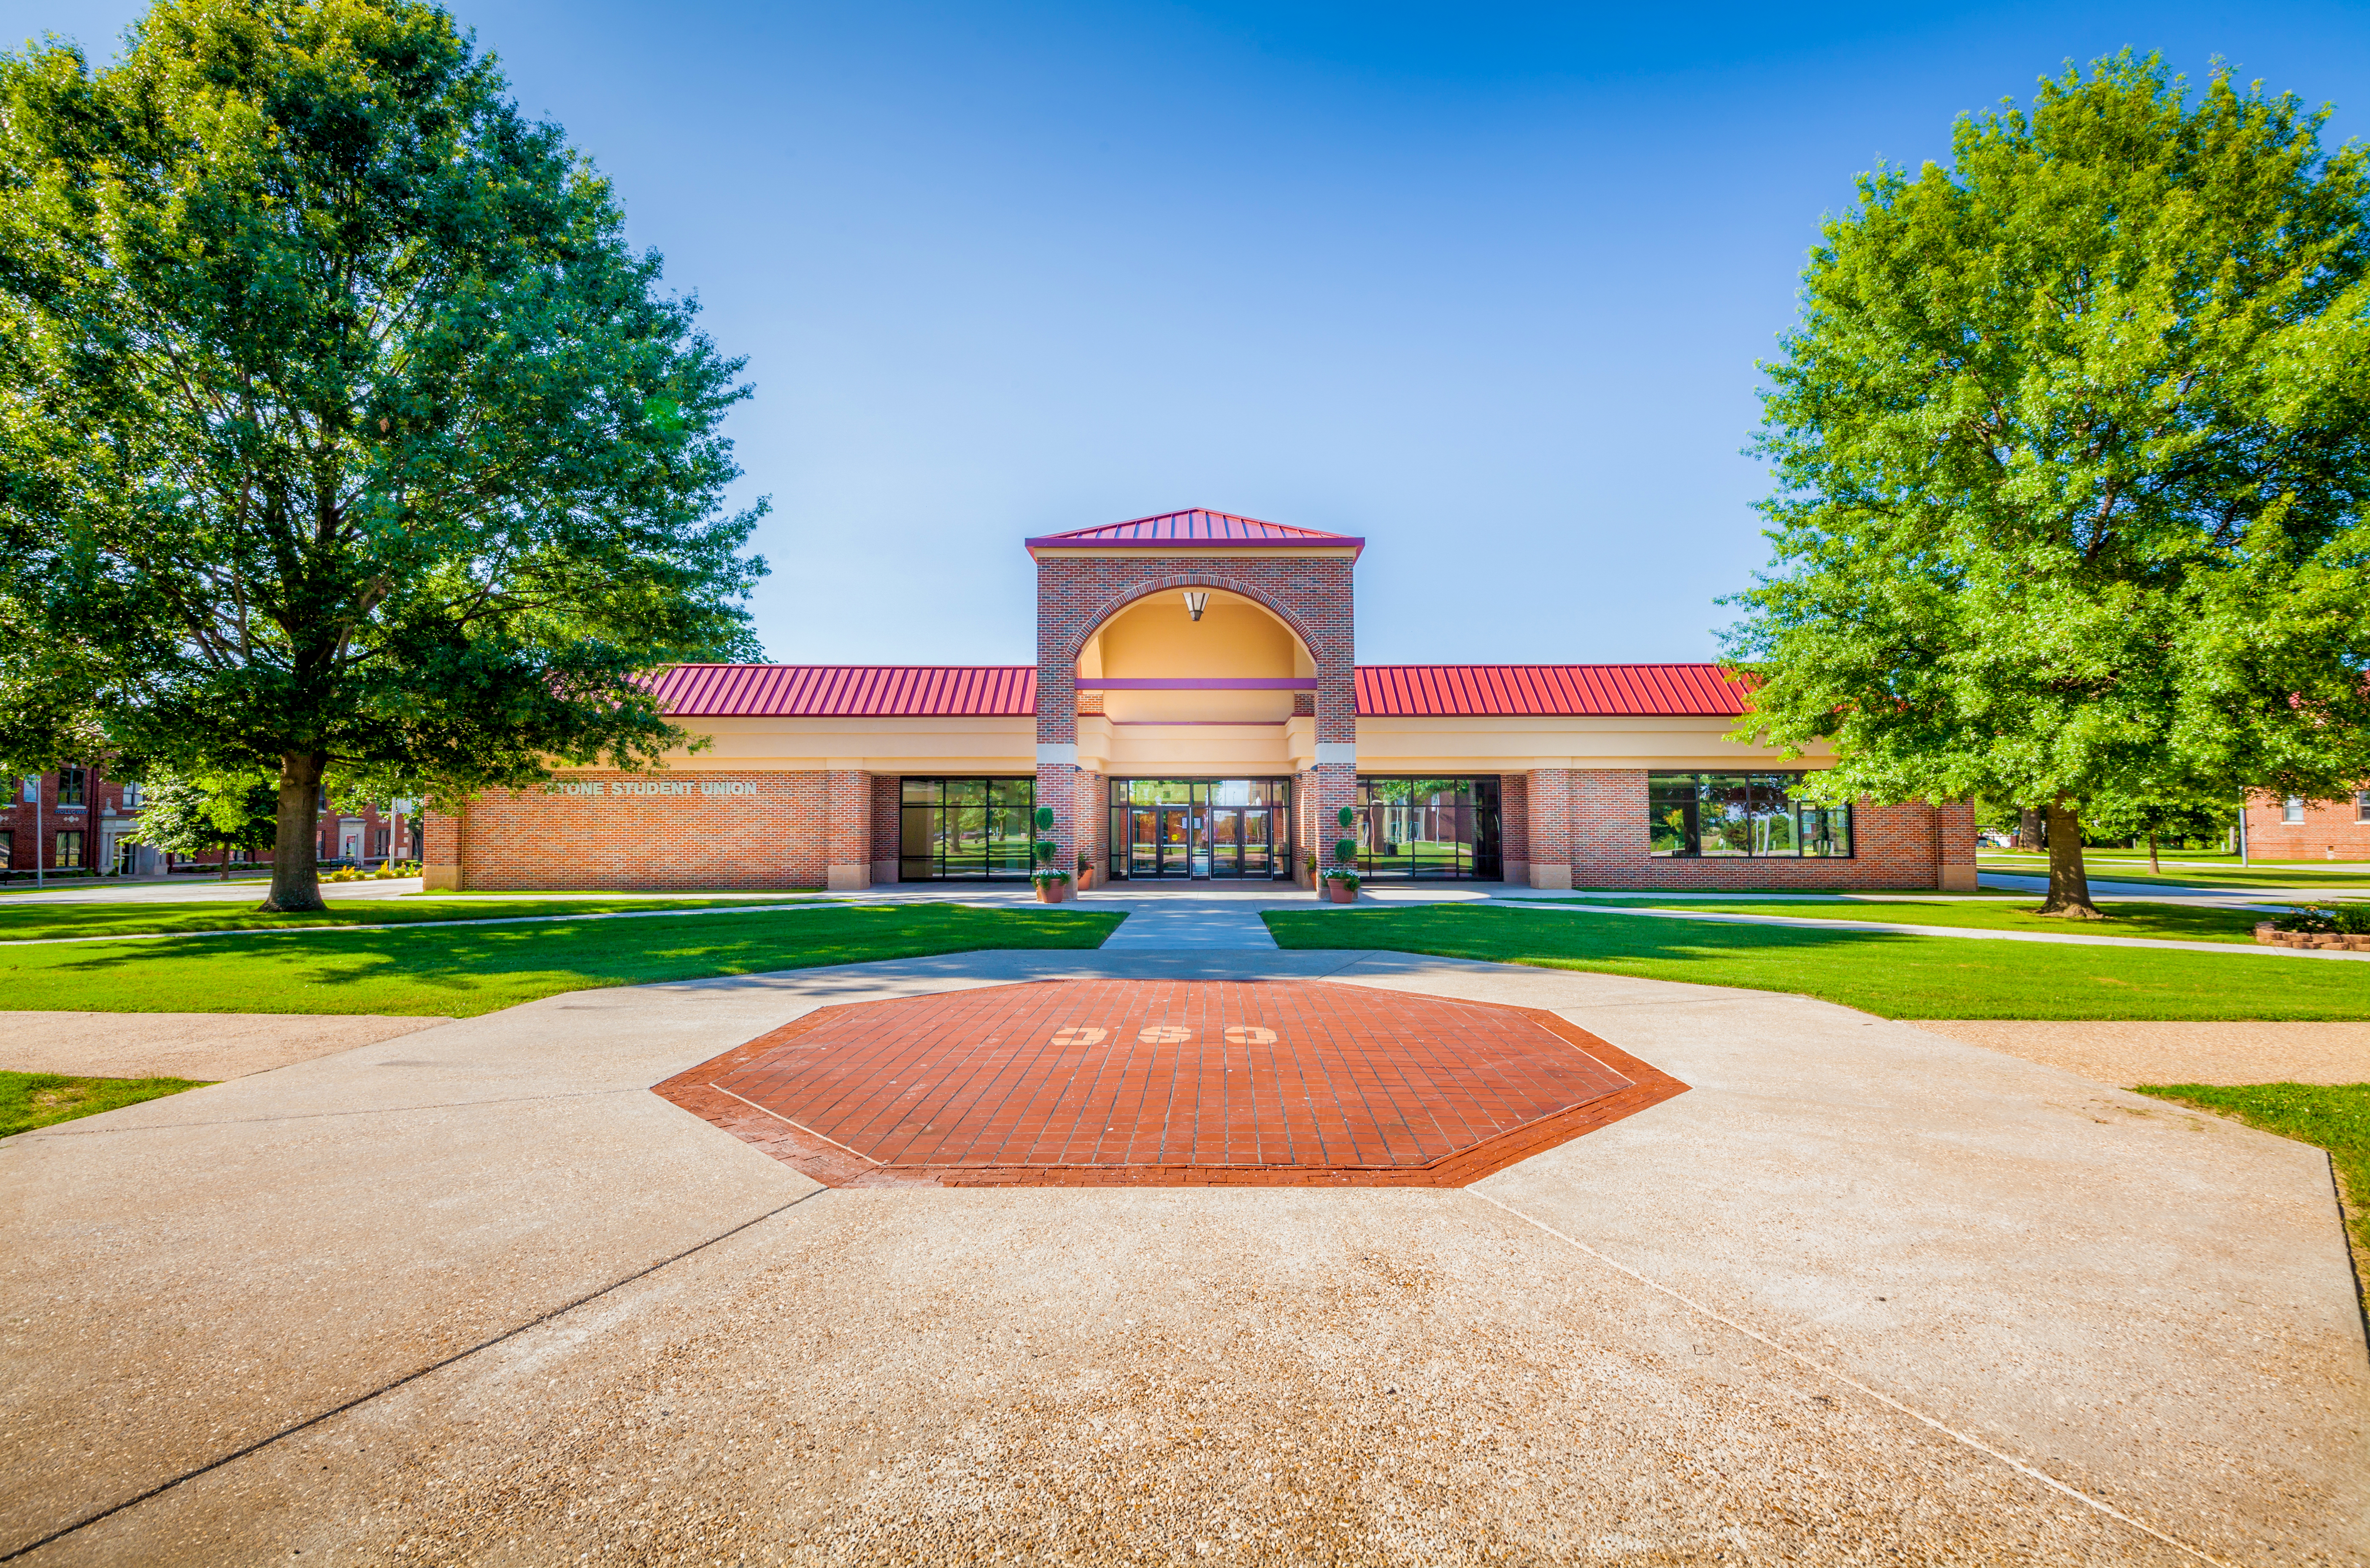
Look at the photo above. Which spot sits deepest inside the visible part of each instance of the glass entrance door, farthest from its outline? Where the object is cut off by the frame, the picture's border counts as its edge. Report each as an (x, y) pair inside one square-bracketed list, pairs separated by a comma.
[(1226, 841), (1201, 827), (1175, 841)]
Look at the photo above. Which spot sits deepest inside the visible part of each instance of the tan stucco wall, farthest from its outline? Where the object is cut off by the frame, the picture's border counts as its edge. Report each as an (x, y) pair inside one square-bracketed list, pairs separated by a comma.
[(1158, 638), (1384, 745)]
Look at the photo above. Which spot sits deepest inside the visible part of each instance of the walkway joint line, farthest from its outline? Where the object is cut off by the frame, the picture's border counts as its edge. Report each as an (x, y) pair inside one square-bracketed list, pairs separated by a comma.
[(801, 1127), (1849, 1381), (387, 1388)]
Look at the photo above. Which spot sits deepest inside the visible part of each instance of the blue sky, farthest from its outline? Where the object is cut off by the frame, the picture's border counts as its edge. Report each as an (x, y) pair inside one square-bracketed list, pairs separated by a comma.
[(1484, 284)]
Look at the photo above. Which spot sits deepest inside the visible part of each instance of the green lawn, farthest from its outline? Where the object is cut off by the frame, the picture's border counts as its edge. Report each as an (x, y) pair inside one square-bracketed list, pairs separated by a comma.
[(2193, 873), (2174, 922), (2332, 1116), (36, 1099), (1879, 972), (463, 971), (30, 922)]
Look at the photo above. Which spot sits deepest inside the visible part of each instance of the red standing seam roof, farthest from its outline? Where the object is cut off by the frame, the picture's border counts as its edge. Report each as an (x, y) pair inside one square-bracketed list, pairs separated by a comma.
[(1409, 691), (1197, 526), (847, 691), (1384, 691)]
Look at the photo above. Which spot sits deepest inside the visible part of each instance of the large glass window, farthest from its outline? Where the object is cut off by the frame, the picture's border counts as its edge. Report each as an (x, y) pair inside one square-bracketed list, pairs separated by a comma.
[(964, 828), (1425, 828), (69, 851), (70, 786), (1740, 815)]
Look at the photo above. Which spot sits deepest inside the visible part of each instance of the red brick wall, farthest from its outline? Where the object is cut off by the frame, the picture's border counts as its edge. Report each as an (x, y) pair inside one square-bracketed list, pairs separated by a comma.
[(2331, 831), (1514, 818), (780, 837)]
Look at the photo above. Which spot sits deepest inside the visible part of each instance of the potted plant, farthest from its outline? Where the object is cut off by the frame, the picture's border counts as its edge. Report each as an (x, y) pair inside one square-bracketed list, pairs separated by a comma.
[(1342, 878), (1086, 871), (1309, 861), (1053, 882)]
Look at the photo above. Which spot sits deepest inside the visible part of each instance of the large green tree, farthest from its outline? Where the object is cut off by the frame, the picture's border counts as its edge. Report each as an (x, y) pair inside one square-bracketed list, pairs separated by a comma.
[(340, 427), (194, 814), (2071, 449)]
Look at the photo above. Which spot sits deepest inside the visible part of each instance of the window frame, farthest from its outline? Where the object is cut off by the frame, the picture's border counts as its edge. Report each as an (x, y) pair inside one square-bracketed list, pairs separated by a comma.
[(1684, 816), (74, 794), (2291, 811)]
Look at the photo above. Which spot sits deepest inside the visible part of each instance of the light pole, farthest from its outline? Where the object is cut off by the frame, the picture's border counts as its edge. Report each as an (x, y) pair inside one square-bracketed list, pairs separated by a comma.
[(40, 859), (2243, 860)]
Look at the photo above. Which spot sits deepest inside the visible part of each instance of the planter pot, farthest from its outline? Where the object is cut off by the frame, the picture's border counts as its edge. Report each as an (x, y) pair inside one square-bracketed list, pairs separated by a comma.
[(1341, 892), (1053, 892)]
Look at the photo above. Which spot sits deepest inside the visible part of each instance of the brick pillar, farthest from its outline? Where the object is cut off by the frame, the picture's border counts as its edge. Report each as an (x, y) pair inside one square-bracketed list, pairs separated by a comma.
[(441, 869), (1305, 839), (1608, 827), (888, 826), (1955, 852), (1059, 785), (848, 829), (1092, 804), (1550, 789), (1515, 828)]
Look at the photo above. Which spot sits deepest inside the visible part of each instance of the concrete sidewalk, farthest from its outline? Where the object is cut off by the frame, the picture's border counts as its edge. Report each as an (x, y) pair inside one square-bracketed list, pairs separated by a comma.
[(1862, 1291)]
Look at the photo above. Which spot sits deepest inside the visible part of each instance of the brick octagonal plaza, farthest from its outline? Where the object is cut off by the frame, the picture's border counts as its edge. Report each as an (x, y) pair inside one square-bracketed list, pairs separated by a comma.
[(1067, 1082)]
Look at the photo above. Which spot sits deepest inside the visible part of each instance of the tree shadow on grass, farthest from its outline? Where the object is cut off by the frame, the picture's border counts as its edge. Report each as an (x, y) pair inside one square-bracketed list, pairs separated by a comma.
[(461, 972)]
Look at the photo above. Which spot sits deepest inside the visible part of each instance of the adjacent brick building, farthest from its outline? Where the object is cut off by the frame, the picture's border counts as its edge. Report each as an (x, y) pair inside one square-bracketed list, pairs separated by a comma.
[(1196, 711), (2295, 829), (76, 820)]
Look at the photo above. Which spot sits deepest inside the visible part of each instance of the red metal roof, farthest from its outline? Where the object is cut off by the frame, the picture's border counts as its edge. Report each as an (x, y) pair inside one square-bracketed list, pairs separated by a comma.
[(924, 691), (1401, 691), (1197, 526), (832, 691)]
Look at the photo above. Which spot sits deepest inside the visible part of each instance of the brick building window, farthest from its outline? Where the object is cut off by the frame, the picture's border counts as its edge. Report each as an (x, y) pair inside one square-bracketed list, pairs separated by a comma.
[(2292, 809), (1740, 815), (964, 828), (379, 842), (2362, 805), (69, 852), (7, 848), (1425, 827), (70, 787)]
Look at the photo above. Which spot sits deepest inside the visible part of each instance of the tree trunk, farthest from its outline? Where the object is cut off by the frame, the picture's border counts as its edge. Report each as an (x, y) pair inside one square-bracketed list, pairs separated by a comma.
[(2027, 829), (226, 855), (2069, 884), (2153, 865), (295, 857)]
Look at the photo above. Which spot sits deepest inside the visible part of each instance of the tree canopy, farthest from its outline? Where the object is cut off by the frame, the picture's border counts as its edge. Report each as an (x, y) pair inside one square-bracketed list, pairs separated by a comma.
[(2071, 448), (340, 427)]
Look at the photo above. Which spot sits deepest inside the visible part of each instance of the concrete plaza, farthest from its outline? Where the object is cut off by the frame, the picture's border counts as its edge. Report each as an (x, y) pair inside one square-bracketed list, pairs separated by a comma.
[(476, 1294)]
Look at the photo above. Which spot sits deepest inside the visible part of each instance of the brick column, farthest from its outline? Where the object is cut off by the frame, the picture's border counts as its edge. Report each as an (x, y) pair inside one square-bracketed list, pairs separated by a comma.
[(848, 829), (1608, 827), (1515, 828), (888, 826), (1550, 789), (1955, 851), (441, 869)]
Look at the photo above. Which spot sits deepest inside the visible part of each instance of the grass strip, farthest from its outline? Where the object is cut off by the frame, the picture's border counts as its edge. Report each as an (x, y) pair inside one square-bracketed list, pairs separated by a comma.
[(2229, 876), (2333, 1116), (39, 1099), (43, 922), (461, 972), (1884, 972), (2164, 922)]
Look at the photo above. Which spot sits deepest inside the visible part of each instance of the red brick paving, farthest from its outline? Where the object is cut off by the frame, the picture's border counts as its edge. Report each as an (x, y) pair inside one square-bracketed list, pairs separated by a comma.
[(1167, 1082)]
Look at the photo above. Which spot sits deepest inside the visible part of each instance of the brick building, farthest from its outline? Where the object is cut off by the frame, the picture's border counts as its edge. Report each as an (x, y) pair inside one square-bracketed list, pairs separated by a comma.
[(76, 820), (2297, 829), (1196, 711)]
